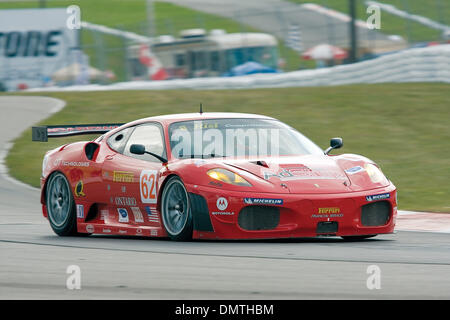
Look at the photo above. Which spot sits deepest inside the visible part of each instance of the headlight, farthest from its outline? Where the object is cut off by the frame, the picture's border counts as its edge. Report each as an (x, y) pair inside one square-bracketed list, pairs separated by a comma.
[(375, 174), (228, 177)]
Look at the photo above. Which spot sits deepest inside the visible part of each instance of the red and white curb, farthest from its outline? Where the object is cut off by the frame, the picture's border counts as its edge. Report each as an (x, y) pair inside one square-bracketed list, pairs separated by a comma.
[(423, 221)]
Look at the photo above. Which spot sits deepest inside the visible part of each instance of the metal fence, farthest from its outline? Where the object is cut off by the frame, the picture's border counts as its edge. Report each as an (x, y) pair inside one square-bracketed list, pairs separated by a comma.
[(297, 29)]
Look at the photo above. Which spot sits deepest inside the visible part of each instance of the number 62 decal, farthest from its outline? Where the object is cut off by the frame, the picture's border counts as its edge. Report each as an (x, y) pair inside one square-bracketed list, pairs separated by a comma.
[(147, 185)]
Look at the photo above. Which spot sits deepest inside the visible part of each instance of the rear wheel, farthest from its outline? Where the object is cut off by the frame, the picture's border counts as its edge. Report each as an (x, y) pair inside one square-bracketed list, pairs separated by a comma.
[(358, 238), (61, 205), (176, 211)]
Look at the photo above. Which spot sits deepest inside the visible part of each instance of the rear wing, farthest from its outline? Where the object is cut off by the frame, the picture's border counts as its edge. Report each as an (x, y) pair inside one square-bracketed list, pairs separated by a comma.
[(42, 133)]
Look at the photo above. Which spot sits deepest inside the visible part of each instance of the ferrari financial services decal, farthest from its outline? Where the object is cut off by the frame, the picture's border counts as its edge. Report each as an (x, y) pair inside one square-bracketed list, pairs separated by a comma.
[(334, 212), (329, 210)]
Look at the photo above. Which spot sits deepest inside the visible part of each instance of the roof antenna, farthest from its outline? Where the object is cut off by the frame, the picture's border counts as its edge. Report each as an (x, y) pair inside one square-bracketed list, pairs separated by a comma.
[(201, 108)]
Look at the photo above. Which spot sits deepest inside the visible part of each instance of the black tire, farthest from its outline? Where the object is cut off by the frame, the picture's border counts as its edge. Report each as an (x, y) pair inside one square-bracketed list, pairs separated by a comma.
[(358, 238), (60, 204), (175, 205)]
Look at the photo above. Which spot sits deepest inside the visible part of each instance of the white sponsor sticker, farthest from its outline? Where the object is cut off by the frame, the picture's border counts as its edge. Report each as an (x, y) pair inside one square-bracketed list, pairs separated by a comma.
[(80, 211), (104, 214), (376, 197), (222, 203), (147, 186), (137, 214), (354, 170), (90, 228), (123, 214)]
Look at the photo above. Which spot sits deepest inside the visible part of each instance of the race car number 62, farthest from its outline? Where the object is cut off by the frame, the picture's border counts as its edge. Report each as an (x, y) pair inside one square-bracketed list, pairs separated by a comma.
[(147, 185)]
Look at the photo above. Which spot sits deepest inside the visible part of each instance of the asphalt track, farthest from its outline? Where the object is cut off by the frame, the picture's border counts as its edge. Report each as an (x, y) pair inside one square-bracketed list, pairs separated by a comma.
[(33, 260)]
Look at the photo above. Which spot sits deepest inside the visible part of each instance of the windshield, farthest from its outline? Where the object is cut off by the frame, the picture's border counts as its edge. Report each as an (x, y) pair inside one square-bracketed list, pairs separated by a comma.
[(237, 138), (265, 55)]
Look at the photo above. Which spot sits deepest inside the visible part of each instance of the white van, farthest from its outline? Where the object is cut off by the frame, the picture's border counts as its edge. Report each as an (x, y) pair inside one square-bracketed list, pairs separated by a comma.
[(197, 54)]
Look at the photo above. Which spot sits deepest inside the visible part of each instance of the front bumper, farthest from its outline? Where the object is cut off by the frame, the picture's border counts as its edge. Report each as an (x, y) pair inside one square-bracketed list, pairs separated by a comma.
[(300, 215)]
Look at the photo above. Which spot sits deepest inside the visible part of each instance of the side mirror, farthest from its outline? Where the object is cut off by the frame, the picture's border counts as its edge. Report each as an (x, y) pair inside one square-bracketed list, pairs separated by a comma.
[(335, 143), (138, 149)]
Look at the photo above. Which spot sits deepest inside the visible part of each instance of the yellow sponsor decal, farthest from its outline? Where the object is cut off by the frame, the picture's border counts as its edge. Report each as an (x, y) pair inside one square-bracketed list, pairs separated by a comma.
[(329, 210), (199, 125), (79, 189), (123, 176)]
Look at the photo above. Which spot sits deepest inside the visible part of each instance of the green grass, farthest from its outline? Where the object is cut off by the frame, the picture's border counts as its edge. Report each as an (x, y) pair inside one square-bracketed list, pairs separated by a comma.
[(437, 10), (131, 15), (403, 127)]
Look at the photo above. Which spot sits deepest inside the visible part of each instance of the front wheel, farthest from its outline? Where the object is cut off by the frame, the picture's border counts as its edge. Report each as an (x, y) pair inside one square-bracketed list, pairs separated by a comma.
[(176, 211), (61, 205)]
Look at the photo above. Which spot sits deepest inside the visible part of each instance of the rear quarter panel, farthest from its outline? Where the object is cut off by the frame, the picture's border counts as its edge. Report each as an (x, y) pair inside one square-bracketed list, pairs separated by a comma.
[(70, 160)]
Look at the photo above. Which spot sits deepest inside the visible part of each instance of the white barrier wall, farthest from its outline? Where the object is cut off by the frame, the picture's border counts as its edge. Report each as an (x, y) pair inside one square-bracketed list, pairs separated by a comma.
[(431, 64)]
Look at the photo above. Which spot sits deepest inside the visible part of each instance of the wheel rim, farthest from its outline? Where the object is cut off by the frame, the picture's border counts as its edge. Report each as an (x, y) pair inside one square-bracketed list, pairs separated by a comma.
[(58, 200), (175, 208)]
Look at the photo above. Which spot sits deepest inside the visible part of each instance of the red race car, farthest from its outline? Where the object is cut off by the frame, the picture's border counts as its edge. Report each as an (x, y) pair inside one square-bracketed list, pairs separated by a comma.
[(210, 176)]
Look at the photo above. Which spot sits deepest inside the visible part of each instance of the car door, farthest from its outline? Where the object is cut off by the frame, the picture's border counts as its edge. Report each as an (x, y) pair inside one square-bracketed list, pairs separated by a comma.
[(133, 179)]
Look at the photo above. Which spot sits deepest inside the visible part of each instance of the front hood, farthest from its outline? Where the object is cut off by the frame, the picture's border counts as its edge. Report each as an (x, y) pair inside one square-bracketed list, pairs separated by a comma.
[(303, 174)]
